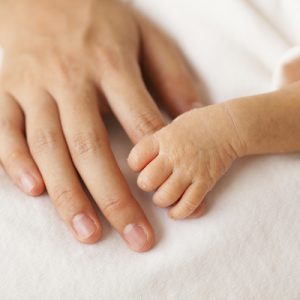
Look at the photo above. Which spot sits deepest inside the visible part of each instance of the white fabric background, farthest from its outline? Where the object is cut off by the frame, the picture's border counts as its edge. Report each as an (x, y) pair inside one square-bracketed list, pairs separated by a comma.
[(246, 246)]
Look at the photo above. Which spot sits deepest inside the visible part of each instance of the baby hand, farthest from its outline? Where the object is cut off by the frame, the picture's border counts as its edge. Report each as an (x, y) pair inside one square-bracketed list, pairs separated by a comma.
[(183, 161)]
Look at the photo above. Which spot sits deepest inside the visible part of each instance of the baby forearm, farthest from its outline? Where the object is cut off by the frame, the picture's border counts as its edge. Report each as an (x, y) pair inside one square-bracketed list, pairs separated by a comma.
[(268, 123)]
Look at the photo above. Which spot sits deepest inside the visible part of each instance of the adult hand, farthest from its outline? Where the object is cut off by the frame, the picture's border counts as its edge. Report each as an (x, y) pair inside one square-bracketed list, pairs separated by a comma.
[(64, 63)]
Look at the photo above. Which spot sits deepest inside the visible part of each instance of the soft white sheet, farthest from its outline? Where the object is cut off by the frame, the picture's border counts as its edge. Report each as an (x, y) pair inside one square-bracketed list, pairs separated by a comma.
[(246, 246)]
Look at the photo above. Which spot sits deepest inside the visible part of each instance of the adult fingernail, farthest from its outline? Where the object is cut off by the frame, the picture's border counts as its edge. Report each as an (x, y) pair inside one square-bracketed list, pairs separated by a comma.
[(135, 236), (28, 183), (84, 226)]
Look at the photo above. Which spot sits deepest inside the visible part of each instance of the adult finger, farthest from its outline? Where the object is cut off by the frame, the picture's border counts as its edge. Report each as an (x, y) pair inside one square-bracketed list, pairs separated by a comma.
[(48, 147), (89, 146), (14, 152), (124, 88), (168, 71)]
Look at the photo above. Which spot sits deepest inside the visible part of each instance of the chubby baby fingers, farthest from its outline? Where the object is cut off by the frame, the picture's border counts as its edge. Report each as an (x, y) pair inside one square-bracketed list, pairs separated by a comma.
[(190, 201), (143, 153), (14, 153)]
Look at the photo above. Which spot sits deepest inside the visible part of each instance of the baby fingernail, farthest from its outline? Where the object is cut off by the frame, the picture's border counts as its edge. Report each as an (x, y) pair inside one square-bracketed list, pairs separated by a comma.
[(84, 226), (28, 183), (135, 236)]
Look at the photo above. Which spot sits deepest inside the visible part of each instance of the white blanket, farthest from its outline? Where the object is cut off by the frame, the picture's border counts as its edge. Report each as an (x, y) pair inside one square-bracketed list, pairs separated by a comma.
[(247, 245)]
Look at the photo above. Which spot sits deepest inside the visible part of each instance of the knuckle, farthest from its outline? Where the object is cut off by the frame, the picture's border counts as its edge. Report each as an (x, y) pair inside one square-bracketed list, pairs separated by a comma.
[(63, 198), (146, 123), (113, 205), (84, 143), (43, 140), (110, 57), (67, 70), (189, 207), (25, 71)]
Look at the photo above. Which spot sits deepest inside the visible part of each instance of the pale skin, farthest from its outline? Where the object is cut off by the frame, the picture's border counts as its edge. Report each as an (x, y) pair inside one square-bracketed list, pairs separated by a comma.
[(65, 63), (183, 161)]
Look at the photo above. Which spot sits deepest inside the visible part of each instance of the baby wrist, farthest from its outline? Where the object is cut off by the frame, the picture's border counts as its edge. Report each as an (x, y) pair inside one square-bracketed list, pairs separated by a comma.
[(239, 142)]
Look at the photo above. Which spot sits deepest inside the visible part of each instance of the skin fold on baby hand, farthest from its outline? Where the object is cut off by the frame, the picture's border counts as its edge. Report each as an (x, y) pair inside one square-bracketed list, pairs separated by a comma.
[(183, 161)]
